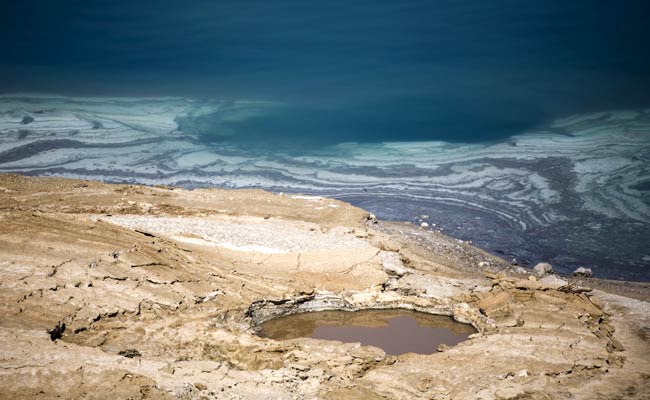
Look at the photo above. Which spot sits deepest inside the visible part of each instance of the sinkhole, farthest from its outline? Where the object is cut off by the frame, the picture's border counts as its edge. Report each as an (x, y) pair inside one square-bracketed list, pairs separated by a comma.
[(395, 331)]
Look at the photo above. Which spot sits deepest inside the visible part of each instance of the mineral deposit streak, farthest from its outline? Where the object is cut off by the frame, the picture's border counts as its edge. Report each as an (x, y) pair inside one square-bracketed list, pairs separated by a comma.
[(574, 193)]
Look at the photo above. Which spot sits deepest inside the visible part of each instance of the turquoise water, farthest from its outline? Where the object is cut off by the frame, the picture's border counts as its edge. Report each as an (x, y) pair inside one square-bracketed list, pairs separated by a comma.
[(573, 191)]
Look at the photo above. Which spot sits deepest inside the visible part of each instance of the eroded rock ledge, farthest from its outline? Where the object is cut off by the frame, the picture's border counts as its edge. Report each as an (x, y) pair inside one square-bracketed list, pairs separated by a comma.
[(117, 291)]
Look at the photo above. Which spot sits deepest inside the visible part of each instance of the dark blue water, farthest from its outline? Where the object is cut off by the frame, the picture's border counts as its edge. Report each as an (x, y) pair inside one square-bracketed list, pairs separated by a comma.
[(340, 71), (612, 249)]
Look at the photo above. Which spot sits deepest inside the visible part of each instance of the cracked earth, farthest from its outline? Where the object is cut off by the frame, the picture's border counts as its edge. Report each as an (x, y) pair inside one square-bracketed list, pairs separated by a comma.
[(118, 291)]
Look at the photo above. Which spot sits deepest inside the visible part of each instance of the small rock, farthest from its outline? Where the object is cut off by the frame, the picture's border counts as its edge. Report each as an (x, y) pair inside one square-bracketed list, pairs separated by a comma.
[(553, 281), (498, 305), (532, 278), (442, 347), (392, 263), (514, 262), (92, 265), (506, 376), (582, 271), (129, 353), (212, 295), (299, 367), (521, 270), (424, 225), (425, 384), (200, 386), (542, 269), (57, 331)]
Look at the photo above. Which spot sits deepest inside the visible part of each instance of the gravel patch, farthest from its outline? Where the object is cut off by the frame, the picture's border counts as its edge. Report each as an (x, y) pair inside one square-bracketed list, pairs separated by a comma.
[(247, 234)]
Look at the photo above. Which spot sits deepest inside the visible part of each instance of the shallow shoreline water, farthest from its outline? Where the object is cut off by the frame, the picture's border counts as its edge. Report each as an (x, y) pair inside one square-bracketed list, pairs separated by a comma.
[(574, 193)]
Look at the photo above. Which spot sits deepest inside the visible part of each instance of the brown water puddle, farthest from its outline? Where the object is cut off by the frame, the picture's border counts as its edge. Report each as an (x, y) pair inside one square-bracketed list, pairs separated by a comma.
[(394, 331)]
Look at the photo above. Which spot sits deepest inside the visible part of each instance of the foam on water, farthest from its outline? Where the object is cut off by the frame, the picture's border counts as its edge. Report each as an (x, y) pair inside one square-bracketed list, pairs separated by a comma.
[(573, 193)]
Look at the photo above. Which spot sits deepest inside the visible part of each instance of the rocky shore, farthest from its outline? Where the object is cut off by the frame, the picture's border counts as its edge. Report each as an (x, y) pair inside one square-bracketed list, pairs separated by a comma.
[(122, 291)]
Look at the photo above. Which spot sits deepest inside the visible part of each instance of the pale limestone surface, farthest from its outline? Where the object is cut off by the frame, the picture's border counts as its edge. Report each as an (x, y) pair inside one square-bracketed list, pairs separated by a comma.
[(185, 277)]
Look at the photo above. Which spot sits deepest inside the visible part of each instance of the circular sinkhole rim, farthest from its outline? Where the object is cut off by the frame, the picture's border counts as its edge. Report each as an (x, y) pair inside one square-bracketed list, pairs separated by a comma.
[(262, 311), (448, 338)]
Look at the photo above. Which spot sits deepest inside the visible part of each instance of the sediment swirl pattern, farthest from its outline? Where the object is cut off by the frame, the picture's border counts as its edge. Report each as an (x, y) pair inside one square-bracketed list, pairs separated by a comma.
[(576, 192)]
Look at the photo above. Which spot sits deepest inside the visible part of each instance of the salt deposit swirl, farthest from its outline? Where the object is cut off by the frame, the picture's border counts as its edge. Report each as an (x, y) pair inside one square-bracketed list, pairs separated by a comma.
[(576, 192)]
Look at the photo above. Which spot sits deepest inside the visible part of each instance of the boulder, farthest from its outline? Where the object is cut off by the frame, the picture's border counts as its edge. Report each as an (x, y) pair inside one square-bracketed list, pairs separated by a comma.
[(392, 263), (582, 271), (542, 269), (553, 282), (496, 305)]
